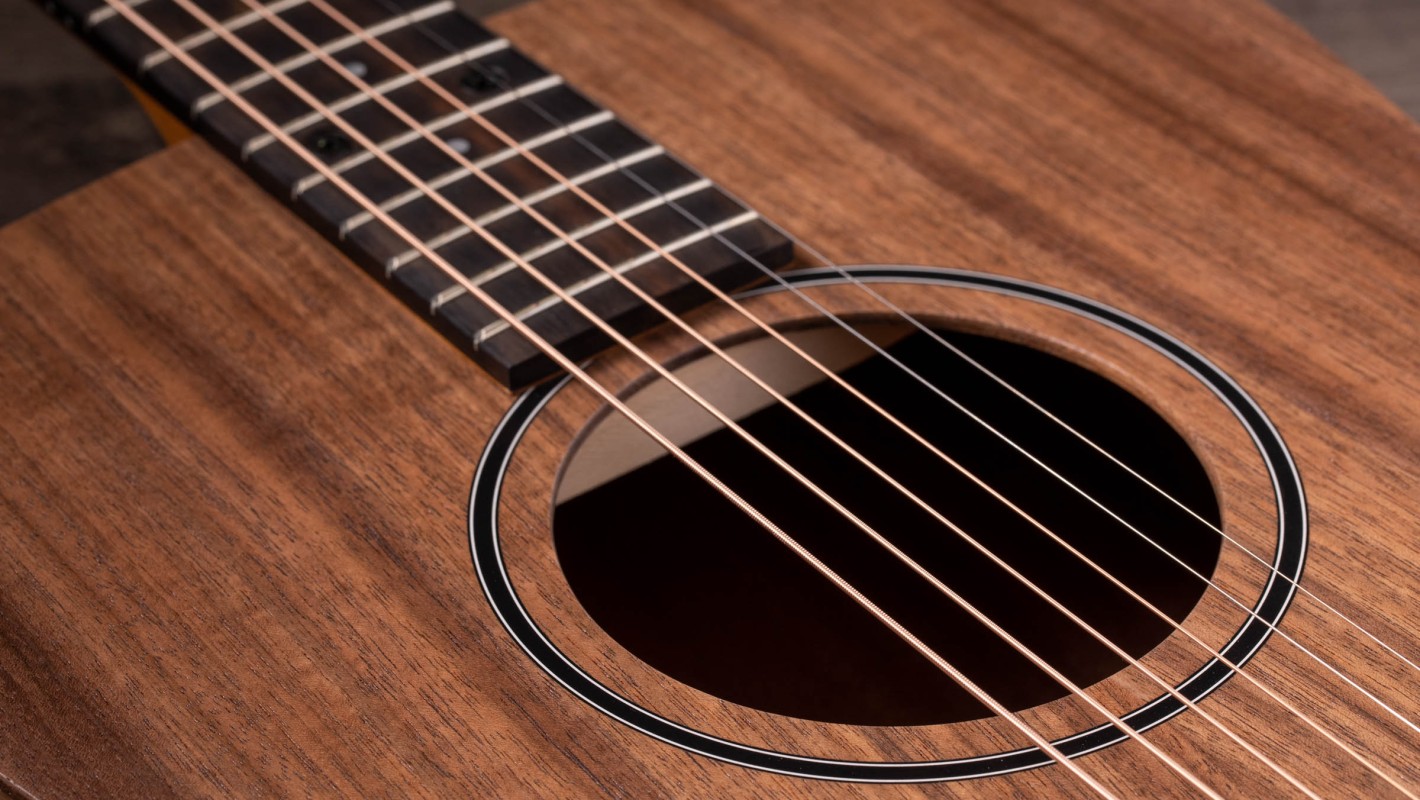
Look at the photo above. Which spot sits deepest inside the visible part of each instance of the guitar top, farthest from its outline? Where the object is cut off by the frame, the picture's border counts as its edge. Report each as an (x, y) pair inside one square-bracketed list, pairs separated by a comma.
[(266, 532)]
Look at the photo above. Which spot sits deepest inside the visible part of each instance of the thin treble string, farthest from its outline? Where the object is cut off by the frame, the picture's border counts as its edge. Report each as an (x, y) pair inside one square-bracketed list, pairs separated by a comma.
[(724, 419), (596, 150), (606, 394), (827, 263), (824, 261), (573, 187), (364, 87), (359, 84)]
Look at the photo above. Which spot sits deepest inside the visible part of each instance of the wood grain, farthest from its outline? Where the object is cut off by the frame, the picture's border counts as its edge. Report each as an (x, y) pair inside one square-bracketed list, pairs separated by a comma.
[(236, 471)]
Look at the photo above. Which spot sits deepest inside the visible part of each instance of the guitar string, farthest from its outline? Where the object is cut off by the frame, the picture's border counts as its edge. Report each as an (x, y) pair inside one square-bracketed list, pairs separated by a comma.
[(310, 45), (531, 103), (313, 46), (250, 53), (1215, 528), (825, 262), (409, 121), (330, 61), (365, 88), (624, 224), (608, 396), (720, 236), (360, 84)]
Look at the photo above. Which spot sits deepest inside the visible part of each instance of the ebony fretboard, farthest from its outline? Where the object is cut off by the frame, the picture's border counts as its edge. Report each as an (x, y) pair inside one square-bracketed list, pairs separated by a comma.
[(643, 185)]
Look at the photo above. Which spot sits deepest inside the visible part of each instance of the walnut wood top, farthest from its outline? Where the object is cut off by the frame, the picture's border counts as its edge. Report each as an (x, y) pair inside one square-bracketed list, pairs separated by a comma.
[(236, 471)]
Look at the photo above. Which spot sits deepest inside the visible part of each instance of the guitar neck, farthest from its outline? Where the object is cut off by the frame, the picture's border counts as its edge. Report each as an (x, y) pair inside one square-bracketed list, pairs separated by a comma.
[(491, 125)]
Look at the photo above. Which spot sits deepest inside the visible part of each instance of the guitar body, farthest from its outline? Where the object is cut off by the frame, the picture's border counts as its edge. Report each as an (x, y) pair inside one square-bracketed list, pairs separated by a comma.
[(235, 511)]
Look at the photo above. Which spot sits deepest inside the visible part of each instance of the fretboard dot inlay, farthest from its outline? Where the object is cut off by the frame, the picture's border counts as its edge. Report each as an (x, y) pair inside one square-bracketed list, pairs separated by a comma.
[(330, 143), (357, 68), (460, 145), (481, 80)]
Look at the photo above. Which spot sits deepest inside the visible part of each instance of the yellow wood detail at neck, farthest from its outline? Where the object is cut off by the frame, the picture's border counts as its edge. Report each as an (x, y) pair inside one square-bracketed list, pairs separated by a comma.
[(169, 127)]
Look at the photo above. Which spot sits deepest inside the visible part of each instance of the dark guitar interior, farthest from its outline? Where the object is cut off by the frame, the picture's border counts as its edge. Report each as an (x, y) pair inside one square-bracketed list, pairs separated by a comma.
[(689, 584)]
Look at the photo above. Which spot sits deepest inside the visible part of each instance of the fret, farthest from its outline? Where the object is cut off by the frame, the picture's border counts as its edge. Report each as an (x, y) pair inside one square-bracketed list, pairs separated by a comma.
[(166, 15), (440, 181), (436, 37), (330, 48), (367, 63), (381, 182), (567, 156), (507, 223), (175, 82), (205, 35), (581, 179), (549, 192), (580, 287), (639, 181), (357, 98), (427, 158), (117, 38), (592, 148), (511, 358), (711, 254), (552, 245), (263, 36), (435, 126), (528, 227), (176, 22), (524, 172), (106, 11)]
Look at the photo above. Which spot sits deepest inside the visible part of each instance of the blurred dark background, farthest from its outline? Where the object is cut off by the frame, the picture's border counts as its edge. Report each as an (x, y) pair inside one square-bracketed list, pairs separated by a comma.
[(65, 119)]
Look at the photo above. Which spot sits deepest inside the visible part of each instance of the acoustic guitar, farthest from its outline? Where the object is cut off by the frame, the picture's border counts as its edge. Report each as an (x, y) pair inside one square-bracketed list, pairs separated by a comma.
[(861, 399)]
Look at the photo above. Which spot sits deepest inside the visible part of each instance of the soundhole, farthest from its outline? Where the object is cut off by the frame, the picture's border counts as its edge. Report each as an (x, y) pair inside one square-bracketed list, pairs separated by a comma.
[(687, 582)]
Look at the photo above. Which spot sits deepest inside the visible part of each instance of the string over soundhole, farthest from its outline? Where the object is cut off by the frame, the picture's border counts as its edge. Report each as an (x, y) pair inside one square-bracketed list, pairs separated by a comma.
[(688, 583)]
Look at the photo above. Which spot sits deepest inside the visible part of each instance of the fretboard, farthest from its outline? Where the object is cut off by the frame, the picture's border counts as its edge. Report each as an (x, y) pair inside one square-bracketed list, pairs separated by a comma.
[(686, 215)]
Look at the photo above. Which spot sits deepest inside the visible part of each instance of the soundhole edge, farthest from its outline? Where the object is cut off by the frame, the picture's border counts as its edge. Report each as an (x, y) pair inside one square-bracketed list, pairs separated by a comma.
[(1288, 560)]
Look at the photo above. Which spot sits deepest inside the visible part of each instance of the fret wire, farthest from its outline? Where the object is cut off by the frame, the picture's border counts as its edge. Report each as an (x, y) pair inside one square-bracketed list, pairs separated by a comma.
[(438, 124), (330, 48), (552, 245), (384, 87), (460, 230), (203, 37), (106, 12), (575, 289), (506, 153)]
